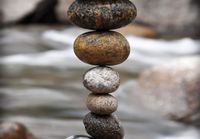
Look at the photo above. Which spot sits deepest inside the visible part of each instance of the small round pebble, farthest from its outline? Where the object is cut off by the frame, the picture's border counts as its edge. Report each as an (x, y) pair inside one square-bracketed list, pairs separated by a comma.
[(101, 80), (102, 14), (103, 127), (102, 104), (102, 48)]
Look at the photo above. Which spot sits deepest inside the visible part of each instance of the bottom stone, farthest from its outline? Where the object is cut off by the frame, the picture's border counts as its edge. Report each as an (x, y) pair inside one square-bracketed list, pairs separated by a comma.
[(103, 127), (79, 137)]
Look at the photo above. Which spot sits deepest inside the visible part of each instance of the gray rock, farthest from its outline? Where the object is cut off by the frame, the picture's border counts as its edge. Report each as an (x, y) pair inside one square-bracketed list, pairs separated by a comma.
[(29, 12), (12, 11), (169, 17), (173, 90), (103, 127), (101, 80), (102, 104)]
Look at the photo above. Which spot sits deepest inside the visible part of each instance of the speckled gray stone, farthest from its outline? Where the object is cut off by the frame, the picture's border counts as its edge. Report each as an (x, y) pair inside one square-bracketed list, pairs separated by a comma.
[(102, 104), (101, 80), (103, 127)]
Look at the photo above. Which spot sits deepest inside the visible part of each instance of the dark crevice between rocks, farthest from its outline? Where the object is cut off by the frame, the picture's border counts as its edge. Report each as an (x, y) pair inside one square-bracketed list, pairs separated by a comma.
[(43, 14)]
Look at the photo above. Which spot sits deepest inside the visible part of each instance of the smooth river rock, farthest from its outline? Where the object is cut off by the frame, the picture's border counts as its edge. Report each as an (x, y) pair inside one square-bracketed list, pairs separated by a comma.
[(102, 48), (102, 14), (101, 80), (102, 104), (103, 127)]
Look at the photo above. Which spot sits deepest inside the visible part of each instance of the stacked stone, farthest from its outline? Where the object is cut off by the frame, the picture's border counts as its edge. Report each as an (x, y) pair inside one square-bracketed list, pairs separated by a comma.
[(102, 48)]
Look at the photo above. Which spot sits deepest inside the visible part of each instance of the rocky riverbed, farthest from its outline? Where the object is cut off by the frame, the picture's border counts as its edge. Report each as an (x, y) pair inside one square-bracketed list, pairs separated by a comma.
[(41, 85)]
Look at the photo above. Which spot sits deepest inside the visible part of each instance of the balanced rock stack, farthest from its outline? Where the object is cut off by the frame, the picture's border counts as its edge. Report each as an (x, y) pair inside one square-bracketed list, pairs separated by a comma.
[(102, 48)]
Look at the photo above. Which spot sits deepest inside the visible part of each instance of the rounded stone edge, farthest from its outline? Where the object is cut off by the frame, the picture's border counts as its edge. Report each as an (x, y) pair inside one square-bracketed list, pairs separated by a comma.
[(110, 133), (105, 104), (114, 58), (94, 91), (101, 28)]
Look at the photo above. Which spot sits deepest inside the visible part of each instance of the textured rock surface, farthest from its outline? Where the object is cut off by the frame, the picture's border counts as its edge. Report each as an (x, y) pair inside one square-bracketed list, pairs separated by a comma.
[(102, 104), (103, 127), (102, 14), (101, 80), (14, 131), (173, 90), (102, 48)]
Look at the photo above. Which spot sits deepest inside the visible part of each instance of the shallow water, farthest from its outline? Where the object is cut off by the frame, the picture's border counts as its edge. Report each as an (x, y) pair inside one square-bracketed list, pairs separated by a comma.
[(41, 84)]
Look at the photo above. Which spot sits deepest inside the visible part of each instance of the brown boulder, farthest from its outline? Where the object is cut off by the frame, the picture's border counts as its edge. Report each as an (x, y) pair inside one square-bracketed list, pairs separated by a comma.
[(14, 131)]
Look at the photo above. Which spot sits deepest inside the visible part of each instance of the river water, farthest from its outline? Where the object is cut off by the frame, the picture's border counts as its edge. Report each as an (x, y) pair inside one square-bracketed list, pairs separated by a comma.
[(42, 84)]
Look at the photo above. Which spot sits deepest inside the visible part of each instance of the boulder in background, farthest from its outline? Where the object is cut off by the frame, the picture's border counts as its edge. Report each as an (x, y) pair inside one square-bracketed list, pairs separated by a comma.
[(12, 11), (173, 90), (170, 18), (10, 130)]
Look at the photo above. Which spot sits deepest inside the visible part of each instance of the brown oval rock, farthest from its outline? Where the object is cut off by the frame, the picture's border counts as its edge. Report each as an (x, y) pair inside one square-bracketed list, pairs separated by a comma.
[(102, 48), (101, 80), (103, 127), (14, 131), (102, 104), (102, 14)]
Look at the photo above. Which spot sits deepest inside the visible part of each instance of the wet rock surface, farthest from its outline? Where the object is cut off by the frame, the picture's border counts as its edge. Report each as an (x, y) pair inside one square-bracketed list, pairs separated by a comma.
[(10, 130), (106, 127), (102, 14), (102, 48)]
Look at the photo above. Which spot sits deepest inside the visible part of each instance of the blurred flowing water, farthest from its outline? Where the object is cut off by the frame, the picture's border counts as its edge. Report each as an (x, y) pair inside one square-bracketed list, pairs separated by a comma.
[(41, 83)]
